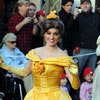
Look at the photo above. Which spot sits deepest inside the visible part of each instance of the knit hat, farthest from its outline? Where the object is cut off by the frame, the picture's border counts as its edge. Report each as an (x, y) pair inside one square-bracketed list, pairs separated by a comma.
[(87, 70), (63, 76), (82, 1), (41, 12)]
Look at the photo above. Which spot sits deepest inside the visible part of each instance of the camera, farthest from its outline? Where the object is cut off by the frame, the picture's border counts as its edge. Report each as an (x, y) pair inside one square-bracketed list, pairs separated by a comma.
[(79, 9)]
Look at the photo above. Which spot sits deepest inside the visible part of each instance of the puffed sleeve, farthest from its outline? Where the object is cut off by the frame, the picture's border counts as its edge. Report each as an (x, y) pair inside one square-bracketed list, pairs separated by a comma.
[(32, 56)]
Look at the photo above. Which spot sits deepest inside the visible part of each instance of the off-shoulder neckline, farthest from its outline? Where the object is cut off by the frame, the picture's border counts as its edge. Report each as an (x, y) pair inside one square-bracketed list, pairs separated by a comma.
[(48, 57)]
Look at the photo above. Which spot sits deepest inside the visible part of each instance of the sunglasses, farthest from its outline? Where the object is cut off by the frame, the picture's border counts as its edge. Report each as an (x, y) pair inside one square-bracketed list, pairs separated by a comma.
[(12, 42)]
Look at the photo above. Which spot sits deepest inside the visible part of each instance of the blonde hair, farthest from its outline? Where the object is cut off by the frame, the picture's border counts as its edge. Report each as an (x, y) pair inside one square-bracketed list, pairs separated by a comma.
[(22, 2)]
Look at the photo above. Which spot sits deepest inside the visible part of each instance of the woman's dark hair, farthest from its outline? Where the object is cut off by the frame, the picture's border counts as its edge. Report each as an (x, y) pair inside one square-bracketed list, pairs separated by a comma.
[(53, 23), (37, 16), (66, 1)]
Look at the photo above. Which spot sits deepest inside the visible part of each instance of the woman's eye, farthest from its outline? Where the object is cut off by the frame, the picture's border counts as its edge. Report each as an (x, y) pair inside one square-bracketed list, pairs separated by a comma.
[(48, 33), (56, 33)]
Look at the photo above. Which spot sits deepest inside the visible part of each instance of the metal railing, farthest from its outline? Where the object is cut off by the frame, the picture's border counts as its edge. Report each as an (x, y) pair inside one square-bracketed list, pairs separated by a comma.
[(51, 5)]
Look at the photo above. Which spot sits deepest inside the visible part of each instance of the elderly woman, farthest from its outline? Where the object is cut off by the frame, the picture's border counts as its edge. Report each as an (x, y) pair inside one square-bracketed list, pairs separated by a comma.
[(11, 55)]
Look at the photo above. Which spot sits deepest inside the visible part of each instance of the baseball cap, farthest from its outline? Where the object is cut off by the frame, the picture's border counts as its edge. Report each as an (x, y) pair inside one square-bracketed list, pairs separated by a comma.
[(41, 12), (82, 1)]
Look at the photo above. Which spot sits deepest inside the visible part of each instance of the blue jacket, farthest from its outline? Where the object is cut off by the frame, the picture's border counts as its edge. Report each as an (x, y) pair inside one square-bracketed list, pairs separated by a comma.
[(15, 59)]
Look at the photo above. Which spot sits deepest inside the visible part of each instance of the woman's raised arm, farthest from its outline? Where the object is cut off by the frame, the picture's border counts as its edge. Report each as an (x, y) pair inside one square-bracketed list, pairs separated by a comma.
[(72, 74)]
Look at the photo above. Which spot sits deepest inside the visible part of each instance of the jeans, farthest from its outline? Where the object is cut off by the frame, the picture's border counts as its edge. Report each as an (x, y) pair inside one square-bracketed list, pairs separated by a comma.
[(85, 61)]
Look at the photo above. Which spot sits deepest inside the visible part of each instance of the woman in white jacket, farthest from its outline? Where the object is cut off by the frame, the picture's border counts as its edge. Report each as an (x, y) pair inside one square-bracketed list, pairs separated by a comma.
[(96, 77)]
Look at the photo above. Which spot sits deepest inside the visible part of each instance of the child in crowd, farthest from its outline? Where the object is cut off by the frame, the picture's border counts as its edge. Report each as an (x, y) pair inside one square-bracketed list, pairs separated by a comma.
[(63, 83), (86, 87)]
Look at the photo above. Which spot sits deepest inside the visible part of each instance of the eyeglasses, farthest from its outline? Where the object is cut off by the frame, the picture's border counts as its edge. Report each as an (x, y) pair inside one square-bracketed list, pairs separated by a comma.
[(12, 42)]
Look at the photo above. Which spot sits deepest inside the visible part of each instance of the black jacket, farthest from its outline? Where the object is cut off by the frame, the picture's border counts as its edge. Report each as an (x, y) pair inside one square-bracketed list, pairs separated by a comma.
[(87, 30), (67, 36), (37, 39)]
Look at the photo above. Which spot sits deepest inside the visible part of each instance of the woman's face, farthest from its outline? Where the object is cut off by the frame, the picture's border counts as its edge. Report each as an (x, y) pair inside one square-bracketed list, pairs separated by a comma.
[(52, 36), (11, 44), (41, 18), (68, 7)]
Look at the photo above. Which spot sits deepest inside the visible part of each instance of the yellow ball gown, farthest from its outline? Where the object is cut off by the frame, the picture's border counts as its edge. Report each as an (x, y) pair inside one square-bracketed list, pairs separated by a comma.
[(46, 76)]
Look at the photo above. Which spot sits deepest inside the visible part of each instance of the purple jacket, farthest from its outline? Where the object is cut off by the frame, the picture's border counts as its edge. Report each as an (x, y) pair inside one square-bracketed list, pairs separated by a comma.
[(64, 89), (86, 91)]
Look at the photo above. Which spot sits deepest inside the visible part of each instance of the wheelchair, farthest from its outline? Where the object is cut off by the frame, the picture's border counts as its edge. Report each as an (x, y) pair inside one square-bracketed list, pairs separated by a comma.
[(11, 86)]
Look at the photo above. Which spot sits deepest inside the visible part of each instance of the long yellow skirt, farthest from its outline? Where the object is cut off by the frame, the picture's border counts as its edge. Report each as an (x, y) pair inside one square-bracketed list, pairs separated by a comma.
[(54, 95)]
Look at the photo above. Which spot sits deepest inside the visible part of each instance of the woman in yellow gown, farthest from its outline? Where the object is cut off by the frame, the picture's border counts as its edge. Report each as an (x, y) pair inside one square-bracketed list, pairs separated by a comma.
[(47, 65)]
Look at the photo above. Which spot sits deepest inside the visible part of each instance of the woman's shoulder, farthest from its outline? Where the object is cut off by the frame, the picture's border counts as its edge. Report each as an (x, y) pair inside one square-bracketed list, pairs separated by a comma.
[(35, 51), (62, 53), (39, 49), (59, 52)]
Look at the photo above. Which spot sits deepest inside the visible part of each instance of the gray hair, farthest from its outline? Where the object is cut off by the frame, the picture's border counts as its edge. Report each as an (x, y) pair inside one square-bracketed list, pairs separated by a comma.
[(7, 37)]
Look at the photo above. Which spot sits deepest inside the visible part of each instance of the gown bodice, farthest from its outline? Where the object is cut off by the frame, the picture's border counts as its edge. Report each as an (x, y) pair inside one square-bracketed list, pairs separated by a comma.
[(47, 74)]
